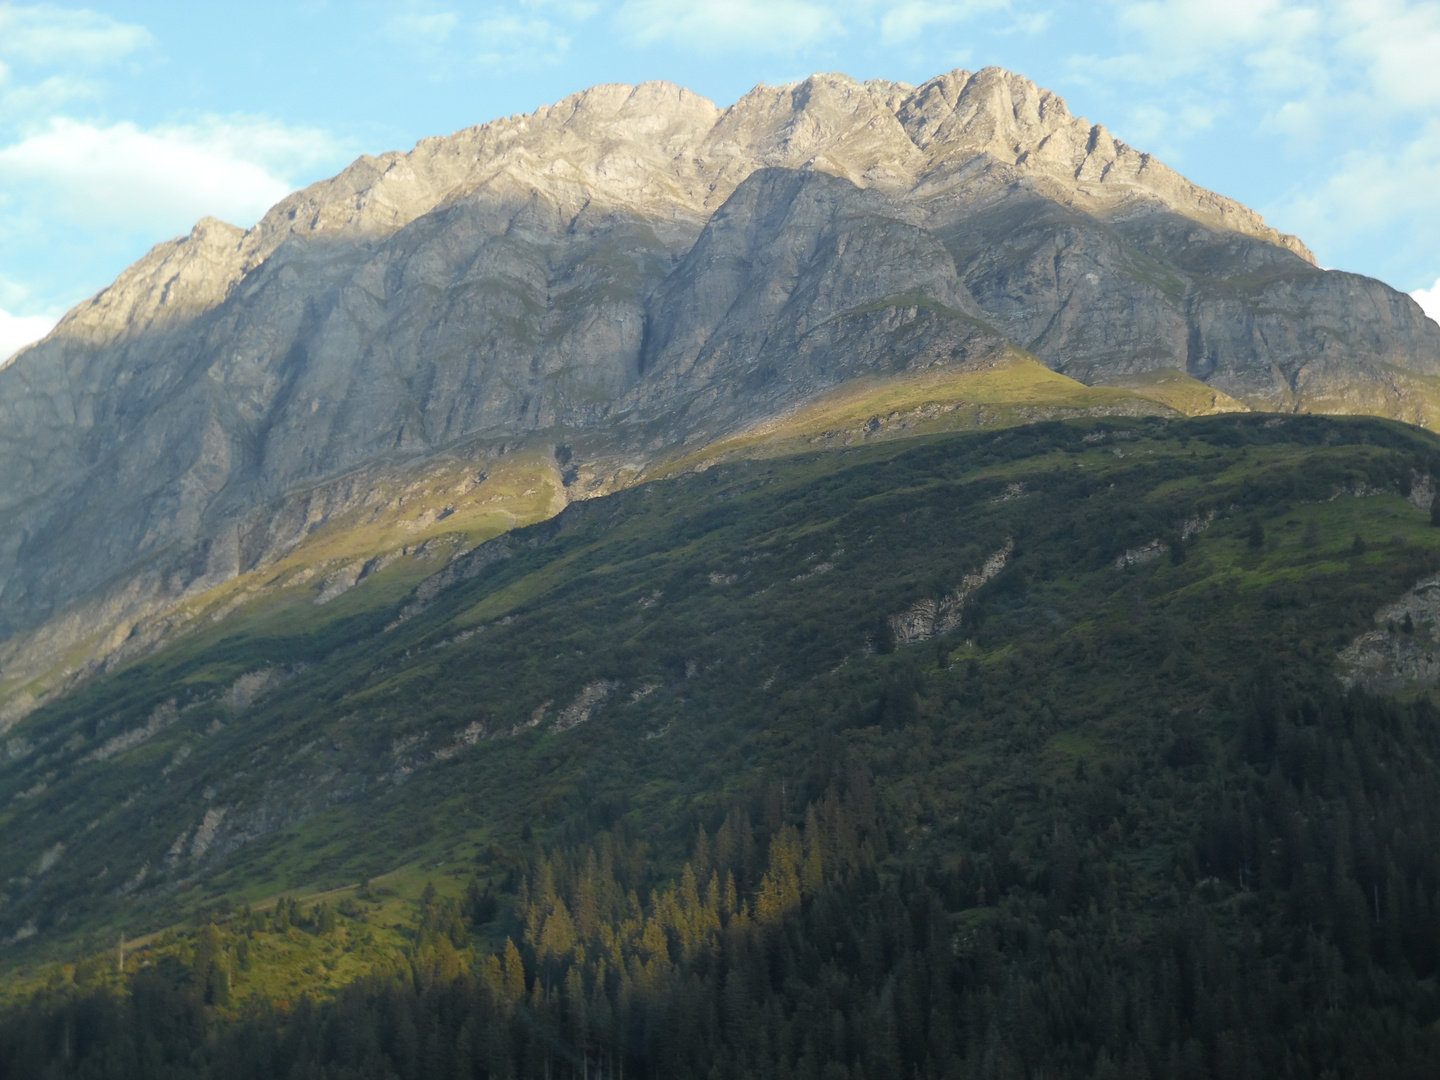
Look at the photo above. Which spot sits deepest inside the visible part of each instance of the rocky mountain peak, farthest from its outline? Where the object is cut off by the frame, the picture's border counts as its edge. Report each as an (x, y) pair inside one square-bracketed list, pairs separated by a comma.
[(992, 110), (178, 279), (659, 151)]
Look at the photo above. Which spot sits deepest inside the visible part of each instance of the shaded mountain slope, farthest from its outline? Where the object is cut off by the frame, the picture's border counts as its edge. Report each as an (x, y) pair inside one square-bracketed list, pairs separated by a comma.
[(710, 589), (1020, 749)]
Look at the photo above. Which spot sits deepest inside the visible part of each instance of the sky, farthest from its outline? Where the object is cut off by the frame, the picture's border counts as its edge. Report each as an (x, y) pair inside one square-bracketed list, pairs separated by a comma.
[(121, 124)]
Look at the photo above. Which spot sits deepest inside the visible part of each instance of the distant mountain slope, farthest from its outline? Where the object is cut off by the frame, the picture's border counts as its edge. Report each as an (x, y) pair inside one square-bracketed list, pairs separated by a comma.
[(626, 275)]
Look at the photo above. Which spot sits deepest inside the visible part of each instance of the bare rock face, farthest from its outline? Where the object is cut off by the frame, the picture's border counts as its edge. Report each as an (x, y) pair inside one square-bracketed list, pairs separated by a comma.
[(634, 262), (799, 280), (1403, 650)]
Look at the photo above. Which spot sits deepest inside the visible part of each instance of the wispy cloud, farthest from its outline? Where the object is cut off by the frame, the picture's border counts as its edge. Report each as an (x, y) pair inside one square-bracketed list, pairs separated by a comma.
[(574, 11), (511, 40), (782, 27), (45, 34), (17, 331), (164, 177), (1164, 130), (1191, 33), (1308, 77), (503, 37), (1429, 300), (422, 28), (1292, 50), (1372, 189), (1398, 43), (23, 104), (904, 22), (77, 183), (794, 27)]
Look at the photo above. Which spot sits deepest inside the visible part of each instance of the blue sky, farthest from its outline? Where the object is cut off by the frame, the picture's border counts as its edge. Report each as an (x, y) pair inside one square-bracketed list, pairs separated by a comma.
[(123, 123)]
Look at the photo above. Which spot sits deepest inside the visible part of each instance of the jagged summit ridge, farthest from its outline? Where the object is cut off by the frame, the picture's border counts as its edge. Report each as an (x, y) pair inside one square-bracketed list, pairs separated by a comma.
[(660, 151)]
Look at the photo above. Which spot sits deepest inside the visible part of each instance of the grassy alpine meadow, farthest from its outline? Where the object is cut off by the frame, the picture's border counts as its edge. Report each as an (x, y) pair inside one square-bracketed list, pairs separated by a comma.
[(1010, 753)]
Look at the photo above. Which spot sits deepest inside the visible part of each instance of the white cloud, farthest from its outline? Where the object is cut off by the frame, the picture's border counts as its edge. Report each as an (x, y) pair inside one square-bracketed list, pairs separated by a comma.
[(505, 38), (1399, 42), (165, 177), (17, 331), (1273, 39), (428, 29), (907, 21), (1428, 299), (1369, 190), (574, 10), (1036, 23), (768, 26), (78, 187), (1204, 23), (1378, 48), (47, 35), (792, 27), (1164, 130), (509, 41), (1346, 90), (36, 41), (43, 99)]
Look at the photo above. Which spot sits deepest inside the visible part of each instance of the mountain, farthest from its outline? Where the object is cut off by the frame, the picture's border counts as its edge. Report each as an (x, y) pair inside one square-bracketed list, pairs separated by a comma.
[(1091, 748), (588, 292), (841, 586)]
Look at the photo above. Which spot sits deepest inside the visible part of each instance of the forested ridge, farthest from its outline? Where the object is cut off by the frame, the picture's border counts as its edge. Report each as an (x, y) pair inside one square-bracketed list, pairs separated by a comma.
[(1125, 821)]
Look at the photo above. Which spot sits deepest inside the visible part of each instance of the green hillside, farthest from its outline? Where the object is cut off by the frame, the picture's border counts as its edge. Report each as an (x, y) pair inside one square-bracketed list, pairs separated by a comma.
[(415, 513), (1016, 753)]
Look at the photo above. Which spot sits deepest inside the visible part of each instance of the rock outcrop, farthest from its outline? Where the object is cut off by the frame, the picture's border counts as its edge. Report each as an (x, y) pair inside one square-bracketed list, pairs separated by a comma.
[(635, 262), (1403, 649)]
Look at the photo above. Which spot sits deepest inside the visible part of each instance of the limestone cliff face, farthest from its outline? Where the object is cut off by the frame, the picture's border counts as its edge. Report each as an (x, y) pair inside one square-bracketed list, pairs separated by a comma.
[(634, 261), (798, 281)]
